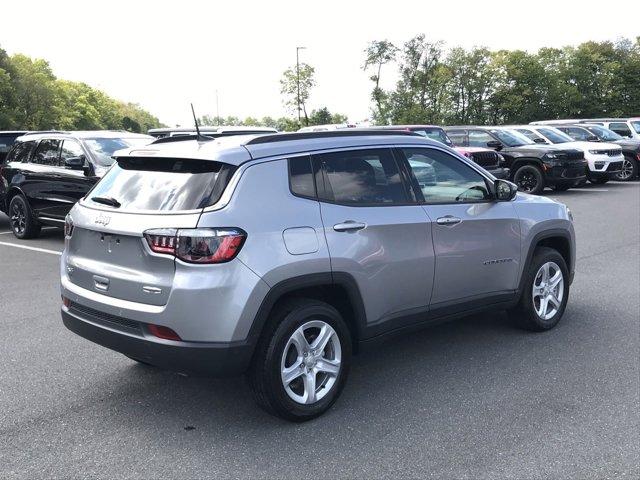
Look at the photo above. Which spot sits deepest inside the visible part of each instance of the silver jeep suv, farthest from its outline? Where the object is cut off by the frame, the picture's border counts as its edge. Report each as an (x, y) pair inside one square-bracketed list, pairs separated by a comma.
[(281, 255)]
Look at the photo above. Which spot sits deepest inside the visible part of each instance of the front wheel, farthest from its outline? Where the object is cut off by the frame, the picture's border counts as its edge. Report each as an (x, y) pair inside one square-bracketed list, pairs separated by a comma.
[(23, 223), (529, 179), (302, 360), (629, 170), (545, 292)]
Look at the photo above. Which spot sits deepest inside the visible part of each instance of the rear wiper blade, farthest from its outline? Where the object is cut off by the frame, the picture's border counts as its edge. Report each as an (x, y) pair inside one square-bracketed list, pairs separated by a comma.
[(112, 202)]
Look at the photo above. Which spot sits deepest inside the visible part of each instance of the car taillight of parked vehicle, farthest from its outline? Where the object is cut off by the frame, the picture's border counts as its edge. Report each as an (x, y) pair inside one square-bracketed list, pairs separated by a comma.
[(197, 245)]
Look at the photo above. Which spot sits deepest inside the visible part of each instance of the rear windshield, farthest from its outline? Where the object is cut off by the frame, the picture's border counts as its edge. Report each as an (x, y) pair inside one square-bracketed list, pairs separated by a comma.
[(162, 184)]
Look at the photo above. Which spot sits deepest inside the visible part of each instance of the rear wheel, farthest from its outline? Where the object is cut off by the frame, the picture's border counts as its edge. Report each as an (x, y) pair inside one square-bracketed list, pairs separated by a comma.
[(629, 169), (23, 223), (302, 360), (545, 292), (529, 179)]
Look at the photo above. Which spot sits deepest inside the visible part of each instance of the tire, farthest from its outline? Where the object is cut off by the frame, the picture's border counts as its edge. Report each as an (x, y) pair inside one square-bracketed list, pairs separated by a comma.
[(527, 313), (278, 351), (529, 179), (629, 170), (23, 223), (563, 187)]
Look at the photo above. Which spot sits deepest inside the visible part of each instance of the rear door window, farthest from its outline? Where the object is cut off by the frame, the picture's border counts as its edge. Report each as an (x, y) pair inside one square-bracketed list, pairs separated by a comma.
[(362, 177), (162, 184), (47, 153)]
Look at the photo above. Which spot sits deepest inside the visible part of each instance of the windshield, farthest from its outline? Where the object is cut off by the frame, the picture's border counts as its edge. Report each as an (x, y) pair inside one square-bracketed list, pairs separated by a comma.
[(636, 125), (103, 148), (604, 133), (437, 134), (555, 136), (511, 138)]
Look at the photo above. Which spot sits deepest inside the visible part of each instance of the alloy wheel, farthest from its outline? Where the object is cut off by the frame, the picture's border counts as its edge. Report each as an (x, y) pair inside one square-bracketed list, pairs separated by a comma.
[(548, 290), (526, 182), (18, 218), (311, 362), (627, 170)]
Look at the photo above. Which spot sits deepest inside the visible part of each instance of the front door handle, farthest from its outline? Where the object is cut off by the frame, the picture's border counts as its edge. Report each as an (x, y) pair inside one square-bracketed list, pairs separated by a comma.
[(349, 226), (448, 220)]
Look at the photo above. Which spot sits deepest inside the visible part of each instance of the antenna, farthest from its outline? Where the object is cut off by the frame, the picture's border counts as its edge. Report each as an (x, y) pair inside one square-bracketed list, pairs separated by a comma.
[(199, 136)]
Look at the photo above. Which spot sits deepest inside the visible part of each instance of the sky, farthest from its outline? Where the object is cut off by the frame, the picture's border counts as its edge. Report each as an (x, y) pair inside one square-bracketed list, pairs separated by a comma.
[(164, 55)]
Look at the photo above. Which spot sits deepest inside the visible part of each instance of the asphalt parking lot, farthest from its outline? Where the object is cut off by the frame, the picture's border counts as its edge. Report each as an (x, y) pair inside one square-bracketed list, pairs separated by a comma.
[(475, 398)]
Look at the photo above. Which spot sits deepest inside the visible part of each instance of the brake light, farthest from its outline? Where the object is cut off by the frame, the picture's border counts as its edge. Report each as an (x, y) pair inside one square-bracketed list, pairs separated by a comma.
[(197, 245), (163, 332)]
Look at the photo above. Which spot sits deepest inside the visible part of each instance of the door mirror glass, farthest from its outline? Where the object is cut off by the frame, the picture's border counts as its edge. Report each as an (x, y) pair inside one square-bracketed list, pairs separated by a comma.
[(592, 138), (495, 144), (74, 163), (539, 140), (505, 190)]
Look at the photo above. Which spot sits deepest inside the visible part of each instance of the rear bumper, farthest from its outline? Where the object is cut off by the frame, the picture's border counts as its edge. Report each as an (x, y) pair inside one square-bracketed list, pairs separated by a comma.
[(212, 359)]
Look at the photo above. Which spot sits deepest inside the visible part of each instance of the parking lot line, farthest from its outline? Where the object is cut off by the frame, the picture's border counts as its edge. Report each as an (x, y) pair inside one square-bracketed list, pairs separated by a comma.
[(35, 249), (44, 228)]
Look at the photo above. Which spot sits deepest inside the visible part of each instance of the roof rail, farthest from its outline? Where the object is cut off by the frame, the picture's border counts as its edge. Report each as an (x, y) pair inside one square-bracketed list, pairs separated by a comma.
[(38, 132), (286, 137)]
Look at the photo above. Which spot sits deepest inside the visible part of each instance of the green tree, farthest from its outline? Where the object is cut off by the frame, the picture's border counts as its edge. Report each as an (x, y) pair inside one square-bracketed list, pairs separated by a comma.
[(378, 54), (296, 91)]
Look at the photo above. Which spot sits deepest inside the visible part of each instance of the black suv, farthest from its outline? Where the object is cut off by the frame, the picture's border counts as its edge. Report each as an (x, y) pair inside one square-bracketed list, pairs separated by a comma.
[(45, 173), (488, 159), (596, 133), (533, 167), (6, 140)]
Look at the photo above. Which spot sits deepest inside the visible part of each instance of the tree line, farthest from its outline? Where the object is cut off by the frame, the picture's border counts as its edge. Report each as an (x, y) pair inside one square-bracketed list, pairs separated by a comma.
[(479, 86), (32, 98)]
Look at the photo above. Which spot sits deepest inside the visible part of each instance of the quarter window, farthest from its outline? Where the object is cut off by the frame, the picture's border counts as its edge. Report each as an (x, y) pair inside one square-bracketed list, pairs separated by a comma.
[(442, 178), (301, 177), (20, 152), (362, 177), (47, 153)]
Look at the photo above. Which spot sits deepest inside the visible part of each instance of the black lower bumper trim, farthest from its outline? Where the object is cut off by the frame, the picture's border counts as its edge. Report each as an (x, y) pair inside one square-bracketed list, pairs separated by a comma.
[(211, 359)]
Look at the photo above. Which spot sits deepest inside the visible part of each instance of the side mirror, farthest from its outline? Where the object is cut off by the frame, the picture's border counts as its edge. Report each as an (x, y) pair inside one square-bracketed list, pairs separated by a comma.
[(75, 163), (495, 144), (592, 138), (505, 191), (540, 140)]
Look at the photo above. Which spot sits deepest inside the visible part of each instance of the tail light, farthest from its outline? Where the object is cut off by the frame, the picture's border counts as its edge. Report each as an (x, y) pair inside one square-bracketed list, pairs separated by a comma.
[(197, 245), (68, 226)]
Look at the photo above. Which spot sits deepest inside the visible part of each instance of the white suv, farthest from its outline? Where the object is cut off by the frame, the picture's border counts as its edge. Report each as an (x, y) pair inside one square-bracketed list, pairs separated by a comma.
[(604, 159)]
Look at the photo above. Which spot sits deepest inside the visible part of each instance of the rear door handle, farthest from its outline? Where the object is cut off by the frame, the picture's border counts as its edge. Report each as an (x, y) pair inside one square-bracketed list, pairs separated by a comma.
[(448, 220), (349, 226)]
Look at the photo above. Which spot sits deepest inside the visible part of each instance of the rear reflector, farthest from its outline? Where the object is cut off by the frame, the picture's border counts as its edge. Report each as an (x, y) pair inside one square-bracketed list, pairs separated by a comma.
[(197, 245), (163, 332)]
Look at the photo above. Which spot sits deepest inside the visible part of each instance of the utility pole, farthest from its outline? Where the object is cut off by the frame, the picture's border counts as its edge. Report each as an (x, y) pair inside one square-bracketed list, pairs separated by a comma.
[(298, 78)]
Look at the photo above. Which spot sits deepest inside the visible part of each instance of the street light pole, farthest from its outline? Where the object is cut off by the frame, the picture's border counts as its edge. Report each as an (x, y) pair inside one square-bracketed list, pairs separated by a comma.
[(298, 78)]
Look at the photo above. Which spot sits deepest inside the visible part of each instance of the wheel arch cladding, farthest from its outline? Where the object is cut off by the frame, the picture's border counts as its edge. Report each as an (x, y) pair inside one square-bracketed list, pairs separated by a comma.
[(336, 289)]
